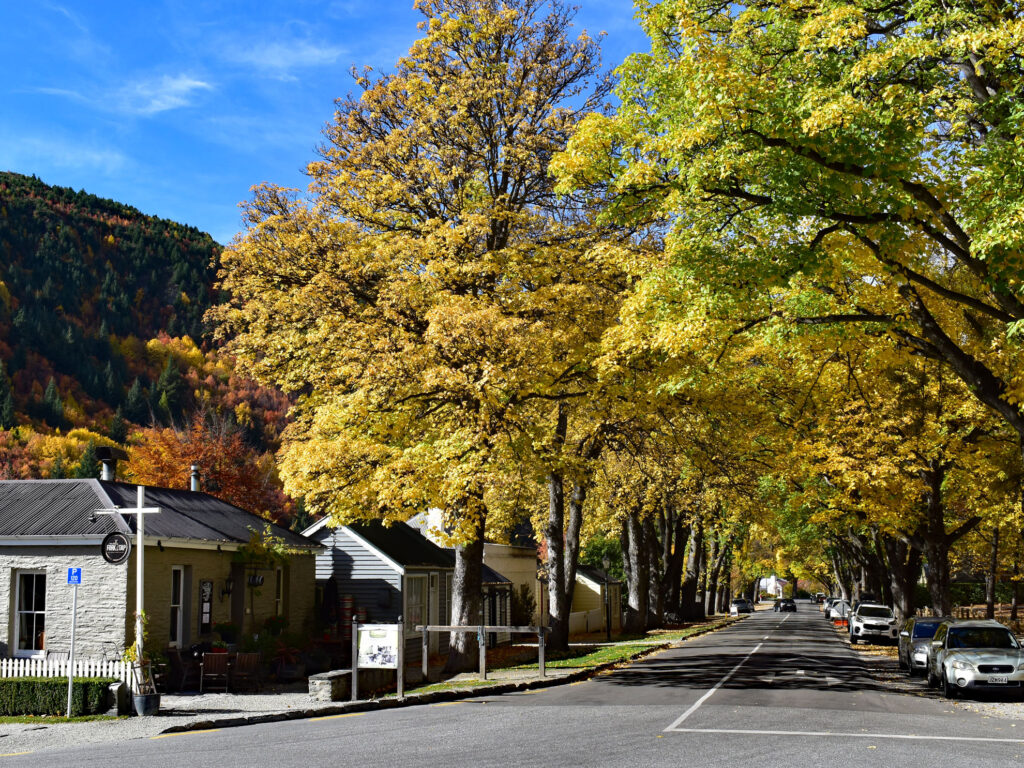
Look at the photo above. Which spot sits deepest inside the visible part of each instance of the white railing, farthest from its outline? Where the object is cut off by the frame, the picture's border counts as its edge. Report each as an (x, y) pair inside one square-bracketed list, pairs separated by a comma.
[(119, 670)]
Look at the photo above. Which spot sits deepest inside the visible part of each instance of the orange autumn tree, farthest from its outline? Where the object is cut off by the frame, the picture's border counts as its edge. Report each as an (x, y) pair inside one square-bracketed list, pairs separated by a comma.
[(230, 469)]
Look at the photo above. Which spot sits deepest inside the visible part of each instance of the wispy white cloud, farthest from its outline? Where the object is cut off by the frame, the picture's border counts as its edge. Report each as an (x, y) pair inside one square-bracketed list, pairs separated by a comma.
[(280, 58), (30, 153), (144, 97), (151, 96)]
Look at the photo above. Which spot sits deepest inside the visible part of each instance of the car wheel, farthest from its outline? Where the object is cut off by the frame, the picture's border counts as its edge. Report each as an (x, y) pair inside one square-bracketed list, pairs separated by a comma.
[(899, 660), (948, 690), (932, 679)]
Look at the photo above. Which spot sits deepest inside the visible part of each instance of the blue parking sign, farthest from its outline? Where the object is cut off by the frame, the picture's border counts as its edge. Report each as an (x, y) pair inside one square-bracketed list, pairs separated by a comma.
[(74, 575)]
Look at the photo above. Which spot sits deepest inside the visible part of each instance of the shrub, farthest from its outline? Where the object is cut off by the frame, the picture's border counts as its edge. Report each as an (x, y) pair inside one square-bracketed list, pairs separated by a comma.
[(49, 695)]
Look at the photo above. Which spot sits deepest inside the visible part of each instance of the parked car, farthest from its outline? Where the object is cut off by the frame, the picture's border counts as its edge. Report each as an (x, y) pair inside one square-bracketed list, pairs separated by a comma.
[(871, 621), (740, 605), (840, 609), (915, 637), (827, 606), (974, 654)]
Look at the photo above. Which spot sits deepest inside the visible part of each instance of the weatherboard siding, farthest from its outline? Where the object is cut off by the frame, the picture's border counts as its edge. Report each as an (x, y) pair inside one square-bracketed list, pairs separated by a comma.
[(373, 584)]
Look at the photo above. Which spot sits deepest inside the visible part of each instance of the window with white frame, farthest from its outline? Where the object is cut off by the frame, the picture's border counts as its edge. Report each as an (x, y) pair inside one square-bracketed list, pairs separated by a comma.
[(415, 602), (177, 601), (30, 614)]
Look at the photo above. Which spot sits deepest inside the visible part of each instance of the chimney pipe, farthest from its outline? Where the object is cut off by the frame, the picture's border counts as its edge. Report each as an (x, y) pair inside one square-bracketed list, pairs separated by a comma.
[(195, 478), (109, 457)]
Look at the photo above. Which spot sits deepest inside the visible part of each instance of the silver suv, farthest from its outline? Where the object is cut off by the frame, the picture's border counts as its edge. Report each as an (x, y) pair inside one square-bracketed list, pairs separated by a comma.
[(873, 622), (974, 654)]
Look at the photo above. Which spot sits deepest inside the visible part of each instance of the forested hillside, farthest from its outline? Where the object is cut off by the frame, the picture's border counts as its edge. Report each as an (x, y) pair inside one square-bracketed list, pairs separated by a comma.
[(102, 341)]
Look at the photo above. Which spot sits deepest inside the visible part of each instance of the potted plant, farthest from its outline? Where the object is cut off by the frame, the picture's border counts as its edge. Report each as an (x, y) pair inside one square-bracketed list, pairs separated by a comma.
[(287, 664), (228, 632), (145, 698), (275, 625)]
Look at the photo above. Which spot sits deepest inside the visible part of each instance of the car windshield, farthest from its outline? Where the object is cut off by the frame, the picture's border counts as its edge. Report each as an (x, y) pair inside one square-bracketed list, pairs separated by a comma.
[(925, 629), (981, 637), (875, 612)]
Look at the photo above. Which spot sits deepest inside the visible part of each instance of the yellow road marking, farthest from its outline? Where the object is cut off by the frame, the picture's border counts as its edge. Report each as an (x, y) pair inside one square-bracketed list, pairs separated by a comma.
[(447, 704), (15, 754), (184, 733), (337, 717)]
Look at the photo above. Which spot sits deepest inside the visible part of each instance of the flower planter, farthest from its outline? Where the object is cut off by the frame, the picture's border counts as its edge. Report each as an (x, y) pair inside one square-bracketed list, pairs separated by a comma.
[(146, 703)]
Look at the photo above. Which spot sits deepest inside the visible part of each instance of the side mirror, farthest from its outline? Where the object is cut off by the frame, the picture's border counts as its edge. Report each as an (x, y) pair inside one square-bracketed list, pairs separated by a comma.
[(904, 633), (936, 643)]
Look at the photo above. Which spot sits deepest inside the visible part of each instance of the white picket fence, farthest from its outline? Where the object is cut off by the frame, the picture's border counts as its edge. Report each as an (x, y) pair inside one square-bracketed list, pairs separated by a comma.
[(119, 670)]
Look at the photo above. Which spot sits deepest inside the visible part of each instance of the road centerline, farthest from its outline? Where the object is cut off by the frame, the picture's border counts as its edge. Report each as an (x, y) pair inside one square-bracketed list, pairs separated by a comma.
[(696, 705)]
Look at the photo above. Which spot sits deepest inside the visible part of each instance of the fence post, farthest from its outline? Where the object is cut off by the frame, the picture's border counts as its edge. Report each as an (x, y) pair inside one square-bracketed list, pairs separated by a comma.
[(401, 658), (483, 652), (540, 649), (426, 665), (355, 657)]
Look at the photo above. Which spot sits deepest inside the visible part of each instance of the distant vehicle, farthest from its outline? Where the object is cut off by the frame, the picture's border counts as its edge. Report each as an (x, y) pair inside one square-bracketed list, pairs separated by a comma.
[(829, 602), (786, 605), (819, 598), (974, 654), (870, 621), (740, 605), (915, 637)]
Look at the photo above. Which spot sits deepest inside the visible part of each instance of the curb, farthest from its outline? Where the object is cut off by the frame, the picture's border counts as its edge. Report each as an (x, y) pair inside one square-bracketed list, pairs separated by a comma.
[(370, 705)]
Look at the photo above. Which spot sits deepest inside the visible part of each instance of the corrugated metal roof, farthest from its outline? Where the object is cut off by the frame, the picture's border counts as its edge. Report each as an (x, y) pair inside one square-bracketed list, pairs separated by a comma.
[(490, 576), (63, 507), (54, 508)]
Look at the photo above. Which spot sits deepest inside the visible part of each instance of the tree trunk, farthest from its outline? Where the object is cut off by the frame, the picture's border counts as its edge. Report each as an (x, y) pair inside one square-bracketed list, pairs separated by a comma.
[(656, 585), (990, 577), (674, 567), (464, 651), (558, 608), (905, 566), (572, 540), (688, 606), (639, 577), (1015, 592)]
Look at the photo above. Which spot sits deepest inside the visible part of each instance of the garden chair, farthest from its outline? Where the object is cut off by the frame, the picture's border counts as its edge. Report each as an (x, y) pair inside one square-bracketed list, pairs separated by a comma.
[(213, 669), (246, 669), (184, 672)]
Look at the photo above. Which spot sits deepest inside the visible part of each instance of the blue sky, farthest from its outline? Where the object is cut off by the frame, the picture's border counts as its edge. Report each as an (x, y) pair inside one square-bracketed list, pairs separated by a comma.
[(178, 108)]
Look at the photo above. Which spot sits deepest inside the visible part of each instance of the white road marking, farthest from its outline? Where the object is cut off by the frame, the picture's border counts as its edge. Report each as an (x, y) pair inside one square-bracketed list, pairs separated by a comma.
[(903, 736), (708, 695)]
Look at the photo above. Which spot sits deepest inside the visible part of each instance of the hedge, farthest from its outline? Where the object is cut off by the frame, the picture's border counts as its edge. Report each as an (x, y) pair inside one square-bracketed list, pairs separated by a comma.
[(49, 695)]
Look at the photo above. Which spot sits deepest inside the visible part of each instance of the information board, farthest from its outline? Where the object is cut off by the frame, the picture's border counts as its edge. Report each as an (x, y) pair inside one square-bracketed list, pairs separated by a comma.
[(378, 646)]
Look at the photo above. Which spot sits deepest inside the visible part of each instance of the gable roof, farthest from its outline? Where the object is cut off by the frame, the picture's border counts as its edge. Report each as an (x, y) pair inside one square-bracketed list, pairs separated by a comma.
[(400, 543), (63, 507), (490, 576), (594, 575)]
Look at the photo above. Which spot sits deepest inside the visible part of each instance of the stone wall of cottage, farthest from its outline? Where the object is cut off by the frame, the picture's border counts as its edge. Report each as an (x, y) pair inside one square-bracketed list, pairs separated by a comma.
[(100, 631)]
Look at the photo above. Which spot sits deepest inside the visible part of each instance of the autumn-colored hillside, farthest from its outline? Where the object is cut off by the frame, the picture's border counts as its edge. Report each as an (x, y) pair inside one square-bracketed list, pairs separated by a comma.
[(102, 342)]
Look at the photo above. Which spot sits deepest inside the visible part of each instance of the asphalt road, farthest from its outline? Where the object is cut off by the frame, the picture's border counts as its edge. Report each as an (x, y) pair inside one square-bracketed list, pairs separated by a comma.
[(773, 690)]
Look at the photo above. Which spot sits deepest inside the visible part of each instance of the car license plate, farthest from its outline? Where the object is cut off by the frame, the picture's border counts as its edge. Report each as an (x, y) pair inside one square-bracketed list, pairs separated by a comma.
[(998, 679)]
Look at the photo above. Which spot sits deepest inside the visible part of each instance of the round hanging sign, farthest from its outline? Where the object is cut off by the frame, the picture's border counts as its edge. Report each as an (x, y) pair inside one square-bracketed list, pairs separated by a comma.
[(116, 547)]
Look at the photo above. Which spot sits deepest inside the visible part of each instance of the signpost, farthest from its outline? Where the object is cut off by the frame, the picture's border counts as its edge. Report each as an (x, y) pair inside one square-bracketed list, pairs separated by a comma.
[(378, 646), (74, 579), (140, 531)]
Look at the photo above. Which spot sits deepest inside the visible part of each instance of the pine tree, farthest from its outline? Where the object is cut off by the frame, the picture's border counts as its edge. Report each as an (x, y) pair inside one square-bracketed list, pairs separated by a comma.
[(89, 465), (169, 388), (7, 417), (118, 430), (53, 405), (57, 469), (135, 408)]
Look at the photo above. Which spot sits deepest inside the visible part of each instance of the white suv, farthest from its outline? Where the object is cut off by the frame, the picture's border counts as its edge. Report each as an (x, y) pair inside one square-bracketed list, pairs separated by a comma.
[(873, 622)]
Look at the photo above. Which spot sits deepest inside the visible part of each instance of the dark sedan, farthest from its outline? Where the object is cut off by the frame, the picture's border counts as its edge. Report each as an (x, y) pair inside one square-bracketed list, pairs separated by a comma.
[(787, 605)]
